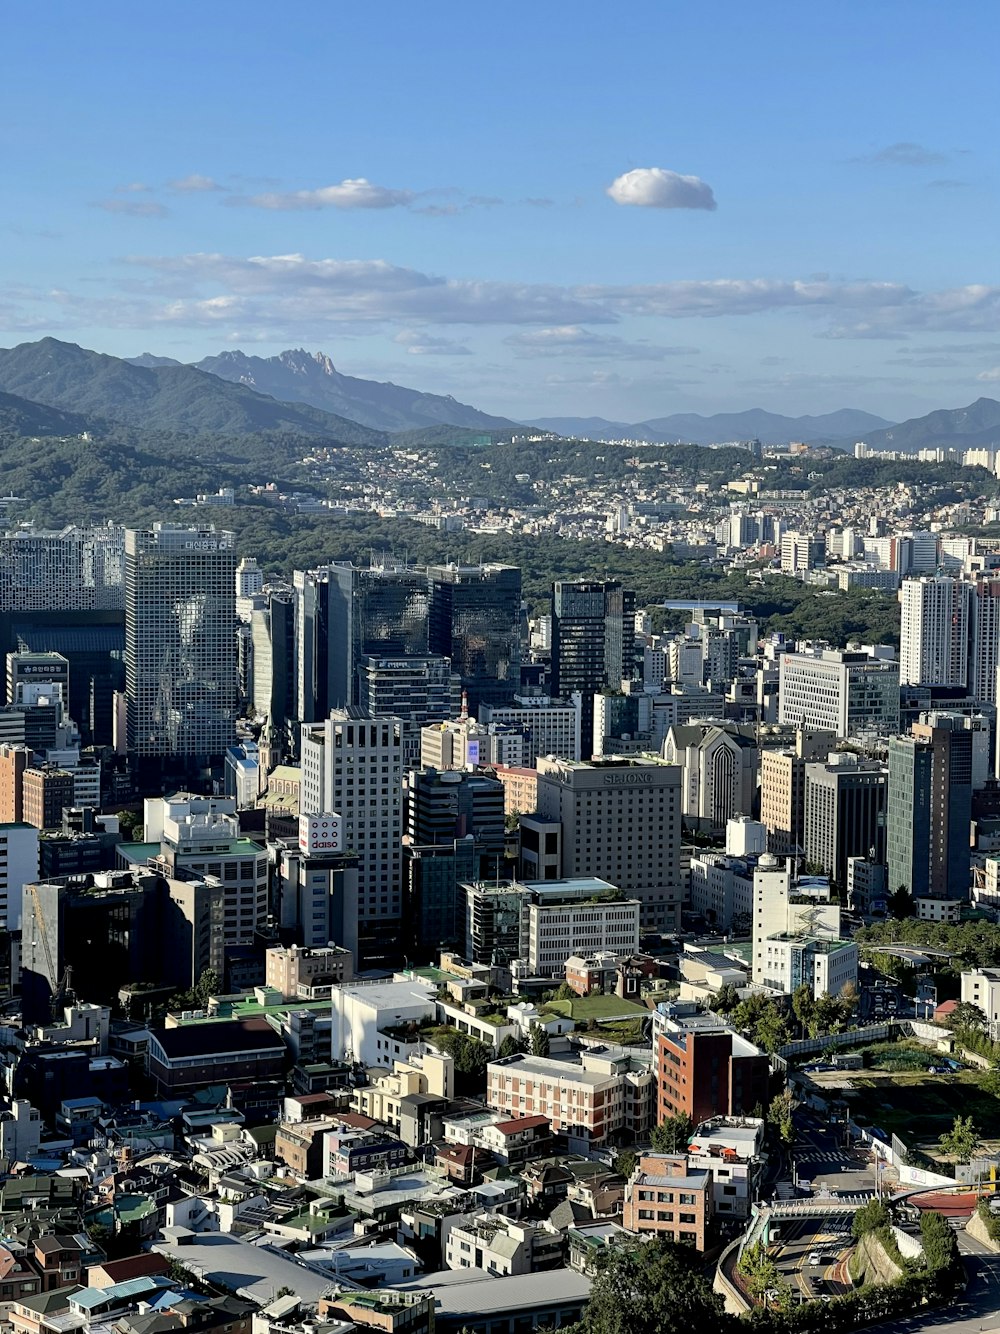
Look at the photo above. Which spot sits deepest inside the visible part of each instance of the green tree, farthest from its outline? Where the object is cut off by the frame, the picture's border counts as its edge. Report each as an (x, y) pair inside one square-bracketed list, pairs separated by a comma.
[(512, 1044), (961, 1141), (849, 999), (540, 1044), (938, 1241), (869, 1218), (209, 984), (900, 903), (772, 1031), (727, 998), (624, 1163), (653, 1287), (673, 1134), (758, 1270), (779, 1114), (967, 1015), (827, 1017), (803, 1006)]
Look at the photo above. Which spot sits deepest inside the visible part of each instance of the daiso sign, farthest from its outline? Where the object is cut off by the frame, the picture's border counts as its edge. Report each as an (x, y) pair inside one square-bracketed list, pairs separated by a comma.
[(320, 833)]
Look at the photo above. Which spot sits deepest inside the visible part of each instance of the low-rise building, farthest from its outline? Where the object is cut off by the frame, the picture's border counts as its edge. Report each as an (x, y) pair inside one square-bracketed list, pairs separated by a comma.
[(705, 1069), (586, 1101), (502, 1246), (731, 1149), (668, 1198)]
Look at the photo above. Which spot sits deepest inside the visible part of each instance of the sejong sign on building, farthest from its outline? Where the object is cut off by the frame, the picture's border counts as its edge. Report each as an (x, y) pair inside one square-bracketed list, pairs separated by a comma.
[(320, 833)]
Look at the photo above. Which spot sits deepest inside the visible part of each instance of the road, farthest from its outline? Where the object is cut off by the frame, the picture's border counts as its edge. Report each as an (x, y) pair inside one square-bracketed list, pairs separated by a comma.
[(821, 1159), (798, 1239), (977, 1310)]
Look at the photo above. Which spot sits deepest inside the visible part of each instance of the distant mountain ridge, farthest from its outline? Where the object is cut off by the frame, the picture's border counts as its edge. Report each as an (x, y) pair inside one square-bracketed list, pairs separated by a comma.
[(723, 427), (954, 428), (21, 416), (172, 397), (297, 376)]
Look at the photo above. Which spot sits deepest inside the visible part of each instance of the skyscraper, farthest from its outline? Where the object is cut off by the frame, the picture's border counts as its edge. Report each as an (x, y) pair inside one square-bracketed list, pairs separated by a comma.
[(345, 613), (180, 664), (935, 631), (74, 569), (929, 808), (593, 645), (475, 619), (456, 834), (353, 765), (985, 652), (322, 629), (272, 628)]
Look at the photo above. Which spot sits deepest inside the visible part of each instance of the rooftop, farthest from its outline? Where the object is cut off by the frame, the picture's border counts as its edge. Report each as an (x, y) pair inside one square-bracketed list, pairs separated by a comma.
[(464, 1293)]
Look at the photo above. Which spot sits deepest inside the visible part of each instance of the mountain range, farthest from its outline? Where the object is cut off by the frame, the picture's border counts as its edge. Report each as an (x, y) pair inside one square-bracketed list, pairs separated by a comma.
[(179, 398), (297, 376), (957, 428), (52, 388), (847, 424)]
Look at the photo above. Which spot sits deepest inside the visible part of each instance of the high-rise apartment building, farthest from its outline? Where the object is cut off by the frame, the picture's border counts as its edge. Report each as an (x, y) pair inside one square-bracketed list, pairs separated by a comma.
[(346, 613), (47, 791), (593, 645), (353, 765), (551, 726), (180, 664), (36, 668), (475, 619), (322, 629), (620, 820), (15, 757), (984, 657), (188, 837), (929, 808), (935, 631), (844, 691)]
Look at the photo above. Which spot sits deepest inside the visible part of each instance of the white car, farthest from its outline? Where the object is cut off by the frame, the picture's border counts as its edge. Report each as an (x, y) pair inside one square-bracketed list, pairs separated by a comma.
[(815, 1258)]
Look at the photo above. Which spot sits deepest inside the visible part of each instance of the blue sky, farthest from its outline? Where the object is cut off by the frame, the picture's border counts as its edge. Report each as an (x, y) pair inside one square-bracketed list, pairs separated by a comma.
[(548, 208)]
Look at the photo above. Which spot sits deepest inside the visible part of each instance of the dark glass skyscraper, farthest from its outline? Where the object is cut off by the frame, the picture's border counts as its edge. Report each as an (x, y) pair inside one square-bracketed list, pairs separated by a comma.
[(593, 644), (929, 808), (475, 619)]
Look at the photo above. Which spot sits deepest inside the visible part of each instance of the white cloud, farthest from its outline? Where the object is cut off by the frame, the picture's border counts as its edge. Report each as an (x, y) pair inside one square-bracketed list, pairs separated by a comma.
[(282, 289), (572, 340), (133, 188), (194, 184), (905, 154), (989, 376), (654, 187), (133, 208), (421, 344), (348, 194)]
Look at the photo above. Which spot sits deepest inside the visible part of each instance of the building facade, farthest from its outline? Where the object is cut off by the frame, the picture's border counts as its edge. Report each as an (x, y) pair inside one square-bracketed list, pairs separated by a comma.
[(180, 664)]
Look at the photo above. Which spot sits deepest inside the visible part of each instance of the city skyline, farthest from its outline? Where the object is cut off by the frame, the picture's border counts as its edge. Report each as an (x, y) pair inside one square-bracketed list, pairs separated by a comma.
[(677, 212)]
